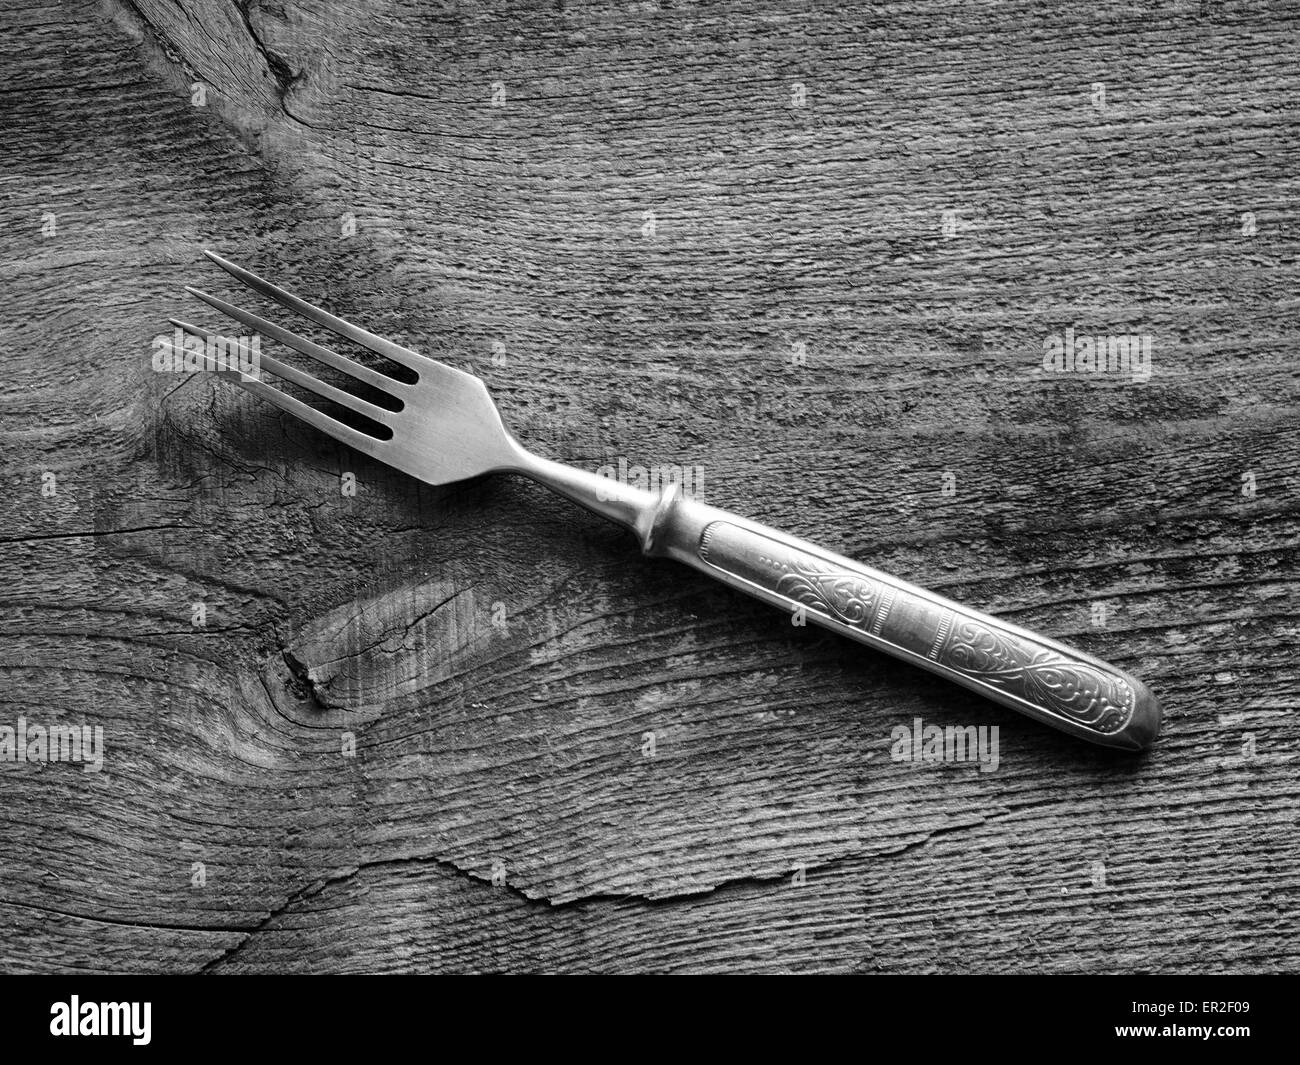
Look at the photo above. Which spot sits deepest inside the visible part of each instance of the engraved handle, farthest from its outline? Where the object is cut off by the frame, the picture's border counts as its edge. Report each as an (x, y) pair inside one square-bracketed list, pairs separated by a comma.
[(1039, 677)]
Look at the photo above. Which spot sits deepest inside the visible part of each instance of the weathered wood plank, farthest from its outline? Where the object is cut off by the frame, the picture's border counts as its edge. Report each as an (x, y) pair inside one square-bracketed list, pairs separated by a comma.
[(498, 657)]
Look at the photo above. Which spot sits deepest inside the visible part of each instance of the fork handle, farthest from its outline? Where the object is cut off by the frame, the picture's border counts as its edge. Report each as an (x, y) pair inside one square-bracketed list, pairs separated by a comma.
[(1037, 676)]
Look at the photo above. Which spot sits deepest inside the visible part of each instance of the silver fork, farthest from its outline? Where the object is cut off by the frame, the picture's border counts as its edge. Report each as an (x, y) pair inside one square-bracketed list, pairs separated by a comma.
[(448, 429)]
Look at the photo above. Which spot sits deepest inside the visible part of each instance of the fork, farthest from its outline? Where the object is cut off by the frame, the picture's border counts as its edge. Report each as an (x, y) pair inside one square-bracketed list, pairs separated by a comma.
[(446, 428)]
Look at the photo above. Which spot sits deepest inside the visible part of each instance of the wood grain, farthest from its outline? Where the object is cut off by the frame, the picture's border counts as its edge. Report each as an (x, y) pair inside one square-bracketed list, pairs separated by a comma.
[(499, 657)]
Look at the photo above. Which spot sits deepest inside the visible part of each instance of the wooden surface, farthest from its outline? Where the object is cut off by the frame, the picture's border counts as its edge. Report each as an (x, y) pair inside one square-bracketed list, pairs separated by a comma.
[(499, 813)]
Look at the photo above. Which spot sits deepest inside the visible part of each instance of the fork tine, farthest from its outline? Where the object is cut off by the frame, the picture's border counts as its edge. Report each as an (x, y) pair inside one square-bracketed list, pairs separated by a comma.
[(366, 444), (312, 384), (308, 347), (386, 348)]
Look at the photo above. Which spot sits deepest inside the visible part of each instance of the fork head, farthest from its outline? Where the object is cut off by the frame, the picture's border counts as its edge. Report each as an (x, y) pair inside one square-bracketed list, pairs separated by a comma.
[(440, 428)]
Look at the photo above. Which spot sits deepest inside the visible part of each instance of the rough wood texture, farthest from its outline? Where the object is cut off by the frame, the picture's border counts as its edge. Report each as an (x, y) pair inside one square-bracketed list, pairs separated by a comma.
[(771, 830)]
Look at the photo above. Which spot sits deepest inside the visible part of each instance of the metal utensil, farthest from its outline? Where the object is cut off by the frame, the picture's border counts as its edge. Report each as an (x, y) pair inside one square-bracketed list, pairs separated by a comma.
[(446, 428)]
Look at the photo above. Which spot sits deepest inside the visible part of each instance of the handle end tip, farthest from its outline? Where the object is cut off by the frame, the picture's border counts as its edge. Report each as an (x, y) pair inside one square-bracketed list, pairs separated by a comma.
[(1144, 726)]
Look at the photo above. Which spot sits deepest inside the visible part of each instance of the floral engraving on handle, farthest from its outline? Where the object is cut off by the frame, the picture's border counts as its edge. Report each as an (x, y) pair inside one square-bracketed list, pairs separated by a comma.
[(1045, 678), (846, 597), (909, 621)]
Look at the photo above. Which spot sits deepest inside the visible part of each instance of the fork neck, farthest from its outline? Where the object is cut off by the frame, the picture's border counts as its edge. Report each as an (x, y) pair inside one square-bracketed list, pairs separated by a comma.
[(629, 506)]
